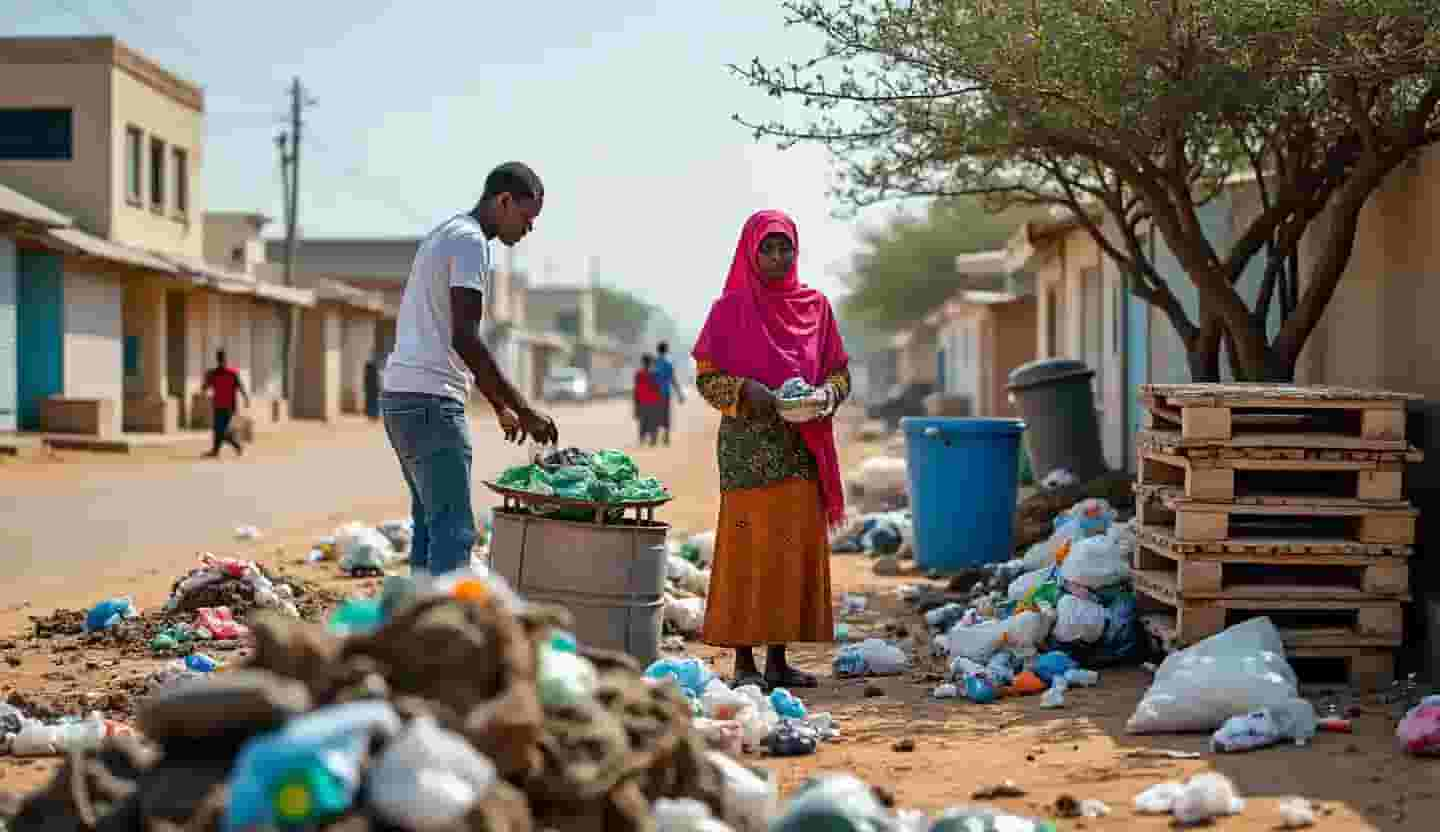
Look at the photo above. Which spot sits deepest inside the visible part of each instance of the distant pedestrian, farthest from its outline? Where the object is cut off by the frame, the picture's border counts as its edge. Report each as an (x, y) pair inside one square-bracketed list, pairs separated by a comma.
[(223, 384), (665, 378), (647, 399), (372, 388), (439, 355)]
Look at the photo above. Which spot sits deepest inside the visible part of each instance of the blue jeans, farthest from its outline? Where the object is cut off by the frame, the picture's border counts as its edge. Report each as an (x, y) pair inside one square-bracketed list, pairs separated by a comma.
[(431, 437)]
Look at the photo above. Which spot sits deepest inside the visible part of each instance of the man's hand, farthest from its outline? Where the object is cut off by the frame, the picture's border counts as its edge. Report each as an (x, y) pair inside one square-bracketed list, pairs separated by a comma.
[(759, 398), (540, 427), (509, 424)]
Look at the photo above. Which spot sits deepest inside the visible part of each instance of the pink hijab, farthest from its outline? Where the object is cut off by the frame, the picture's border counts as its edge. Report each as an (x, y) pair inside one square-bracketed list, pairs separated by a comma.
[(773, 332)]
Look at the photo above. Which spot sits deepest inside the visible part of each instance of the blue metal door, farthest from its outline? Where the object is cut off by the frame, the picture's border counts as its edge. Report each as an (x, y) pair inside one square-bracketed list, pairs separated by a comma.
[(41, 338)]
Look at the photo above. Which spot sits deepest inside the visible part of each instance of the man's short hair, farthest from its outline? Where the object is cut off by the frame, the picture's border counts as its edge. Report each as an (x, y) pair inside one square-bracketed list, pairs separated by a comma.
[(663, 348), (514, 178)]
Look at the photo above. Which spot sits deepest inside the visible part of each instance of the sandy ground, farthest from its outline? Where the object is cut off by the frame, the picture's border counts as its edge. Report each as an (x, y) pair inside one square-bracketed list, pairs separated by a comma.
[(78, 529)]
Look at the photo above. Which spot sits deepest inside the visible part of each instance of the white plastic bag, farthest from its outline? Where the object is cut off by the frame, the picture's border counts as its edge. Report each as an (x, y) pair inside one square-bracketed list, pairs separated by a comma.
[(687, 575), (720, 702), (686, 615), (1240, 670), (1095, 562), (428, 777), (685, 815), (1294, 722), (1042, 555), (883, 658), (884, 475), (1079, 619), (363, 547), (1206, 797)]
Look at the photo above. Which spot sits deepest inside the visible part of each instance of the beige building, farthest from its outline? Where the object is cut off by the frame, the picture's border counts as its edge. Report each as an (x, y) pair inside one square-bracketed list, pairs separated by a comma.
[(118, 310)]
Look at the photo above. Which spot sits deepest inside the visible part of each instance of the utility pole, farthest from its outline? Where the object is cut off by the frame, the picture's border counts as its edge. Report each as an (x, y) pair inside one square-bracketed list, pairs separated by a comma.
[(288, 143)]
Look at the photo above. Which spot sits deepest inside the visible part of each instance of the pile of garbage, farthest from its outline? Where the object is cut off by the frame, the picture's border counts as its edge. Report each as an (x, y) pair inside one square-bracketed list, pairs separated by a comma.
[(459, 707), (237, 585), (744, 719), (605, 476)]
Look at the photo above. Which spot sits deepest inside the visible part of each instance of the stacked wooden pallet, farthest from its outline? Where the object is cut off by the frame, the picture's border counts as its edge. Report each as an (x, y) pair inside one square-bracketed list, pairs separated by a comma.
[(1277, 501)]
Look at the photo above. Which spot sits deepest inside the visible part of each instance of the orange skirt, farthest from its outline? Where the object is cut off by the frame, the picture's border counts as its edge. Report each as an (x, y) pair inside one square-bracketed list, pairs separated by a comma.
[(771, 578)]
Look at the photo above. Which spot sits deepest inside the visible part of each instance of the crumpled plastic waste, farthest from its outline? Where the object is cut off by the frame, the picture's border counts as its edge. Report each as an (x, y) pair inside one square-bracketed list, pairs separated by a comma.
[(110, 612), (685, 816), (219, 623), (247, 533), (1054, 697), (692, 675), (1294, 721), (942, 618), (973, 818), (1202, 798), (1058, 479), (1419, 732), (834, 801), (871, 657), (1239, 670), (41, 739), (1296, 813), (364, 550), (787, 704), (1052, 665), (251, 582), (428, 777), (685, 616), (792, 738)]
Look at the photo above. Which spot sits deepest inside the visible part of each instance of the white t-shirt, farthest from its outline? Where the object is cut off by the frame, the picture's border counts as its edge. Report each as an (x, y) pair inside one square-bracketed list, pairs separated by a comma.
[(424, 358)]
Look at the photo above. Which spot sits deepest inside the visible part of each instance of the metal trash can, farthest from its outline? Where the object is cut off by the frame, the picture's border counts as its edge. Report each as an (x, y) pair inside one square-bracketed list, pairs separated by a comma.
[(1054, 398), (963, 487), (610, 577)]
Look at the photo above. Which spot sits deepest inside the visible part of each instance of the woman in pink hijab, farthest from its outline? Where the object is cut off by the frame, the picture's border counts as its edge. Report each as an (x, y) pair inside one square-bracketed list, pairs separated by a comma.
[(779, 481)]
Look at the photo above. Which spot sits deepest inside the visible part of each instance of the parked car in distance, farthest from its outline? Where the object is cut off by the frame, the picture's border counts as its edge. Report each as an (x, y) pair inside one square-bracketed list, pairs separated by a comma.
[(566, 384)]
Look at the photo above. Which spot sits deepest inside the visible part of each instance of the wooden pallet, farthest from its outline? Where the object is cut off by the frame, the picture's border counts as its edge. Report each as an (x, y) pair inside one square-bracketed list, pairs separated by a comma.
[(1226, 411), (1206, 576), (1361, 522), (1223, 479), (1282, 452), (1308, 622), (1253, 547), (1368, 668)]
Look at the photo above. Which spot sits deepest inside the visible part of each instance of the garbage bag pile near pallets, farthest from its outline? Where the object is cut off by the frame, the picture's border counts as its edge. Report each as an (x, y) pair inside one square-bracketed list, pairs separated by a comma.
[(1278, 501)]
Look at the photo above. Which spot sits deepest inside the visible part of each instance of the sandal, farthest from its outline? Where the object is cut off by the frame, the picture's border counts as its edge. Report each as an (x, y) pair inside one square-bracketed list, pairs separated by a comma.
[(791, 679)]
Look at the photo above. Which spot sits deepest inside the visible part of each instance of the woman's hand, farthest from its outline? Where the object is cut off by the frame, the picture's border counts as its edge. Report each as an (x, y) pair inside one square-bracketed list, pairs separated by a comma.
[(759, 399)]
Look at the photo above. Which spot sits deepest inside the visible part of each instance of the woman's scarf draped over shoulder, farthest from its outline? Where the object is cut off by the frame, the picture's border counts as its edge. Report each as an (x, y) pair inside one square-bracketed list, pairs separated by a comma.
[(775, 332)]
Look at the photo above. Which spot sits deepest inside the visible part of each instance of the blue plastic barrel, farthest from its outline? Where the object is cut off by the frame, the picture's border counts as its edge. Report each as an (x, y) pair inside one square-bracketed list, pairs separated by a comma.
[(963, 488)]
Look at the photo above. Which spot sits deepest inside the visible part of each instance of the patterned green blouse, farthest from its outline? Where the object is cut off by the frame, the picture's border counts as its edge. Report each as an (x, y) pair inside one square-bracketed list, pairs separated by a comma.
[(757, 452)]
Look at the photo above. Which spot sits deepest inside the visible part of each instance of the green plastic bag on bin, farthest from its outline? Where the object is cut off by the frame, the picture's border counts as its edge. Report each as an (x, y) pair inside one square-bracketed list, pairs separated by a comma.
[(531, 478), (572, 482), (614, 466), (644, 490), (601, 491)]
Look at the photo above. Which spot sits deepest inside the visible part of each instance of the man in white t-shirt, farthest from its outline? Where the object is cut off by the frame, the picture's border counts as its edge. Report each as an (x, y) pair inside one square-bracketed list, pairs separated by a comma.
[(439, 355)]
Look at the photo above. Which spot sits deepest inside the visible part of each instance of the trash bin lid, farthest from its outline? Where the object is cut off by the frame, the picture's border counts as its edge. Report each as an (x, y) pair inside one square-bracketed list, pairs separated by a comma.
[(954, 428), (1047, 371)]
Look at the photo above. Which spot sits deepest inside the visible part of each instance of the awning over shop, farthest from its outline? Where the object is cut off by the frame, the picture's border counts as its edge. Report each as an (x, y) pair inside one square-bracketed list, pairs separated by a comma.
[(89, 245), (284, 294), (17, 205)]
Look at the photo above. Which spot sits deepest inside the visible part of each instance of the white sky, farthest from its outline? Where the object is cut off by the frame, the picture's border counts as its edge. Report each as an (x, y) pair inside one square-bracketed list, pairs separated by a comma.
[(623, 108)]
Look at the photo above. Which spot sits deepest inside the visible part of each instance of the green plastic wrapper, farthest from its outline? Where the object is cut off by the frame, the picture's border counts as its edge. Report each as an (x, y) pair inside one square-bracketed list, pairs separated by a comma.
[(614, 466), (647, 489)]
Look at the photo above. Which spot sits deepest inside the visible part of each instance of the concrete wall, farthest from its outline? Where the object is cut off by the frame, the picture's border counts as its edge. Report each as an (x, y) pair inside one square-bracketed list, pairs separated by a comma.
[(267, 353), (94, 352), (72, 187), (179, 126), (356, 348), (546, 306), (1011, 325), (9, 336), (318, 377), (233, 241), (382, 258)]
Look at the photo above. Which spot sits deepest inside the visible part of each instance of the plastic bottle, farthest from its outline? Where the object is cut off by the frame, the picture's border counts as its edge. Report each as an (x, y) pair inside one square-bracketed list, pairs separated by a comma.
[(201, 663), (37, 739), (1054, 696), (978, 689), (1080, 678), (428, 777), (309, 770)]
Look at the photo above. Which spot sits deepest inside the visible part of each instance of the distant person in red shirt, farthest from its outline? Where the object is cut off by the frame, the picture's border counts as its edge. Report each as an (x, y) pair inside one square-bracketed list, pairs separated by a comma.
[(647, 401), (224, 384)]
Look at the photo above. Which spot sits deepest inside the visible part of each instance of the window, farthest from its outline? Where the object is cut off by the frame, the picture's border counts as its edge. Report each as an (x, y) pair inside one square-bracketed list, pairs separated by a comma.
[(157, 175), (34, 135), (182, 181), (134, 165)]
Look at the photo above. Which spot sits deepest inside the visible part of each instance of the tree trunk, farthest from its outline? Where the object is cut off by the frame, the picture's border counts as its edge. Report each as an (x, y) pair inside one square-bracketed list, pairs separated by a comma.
[(1202, 353)]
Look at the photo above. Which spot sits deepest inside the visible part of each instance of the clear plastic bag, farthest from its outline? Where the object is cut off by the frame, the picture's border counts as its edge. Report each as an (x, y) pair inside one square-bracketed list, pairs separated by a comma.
[(1079, 619), (1095, 562), (1240, 670)]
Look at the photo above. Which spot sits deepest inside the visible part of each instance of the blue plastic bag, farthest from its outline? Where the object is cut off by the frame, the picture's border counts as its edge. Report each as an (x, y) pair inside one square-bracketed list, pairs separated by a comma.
[(107, 614), (690, 674), (1052, 664), (978, 689), (787, 704)]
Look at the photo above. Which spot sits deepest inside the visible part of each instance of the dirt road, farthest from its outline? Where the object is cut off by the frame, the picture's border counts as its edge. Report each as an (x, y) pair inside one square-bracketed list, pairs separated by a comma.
[(74, 533)]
